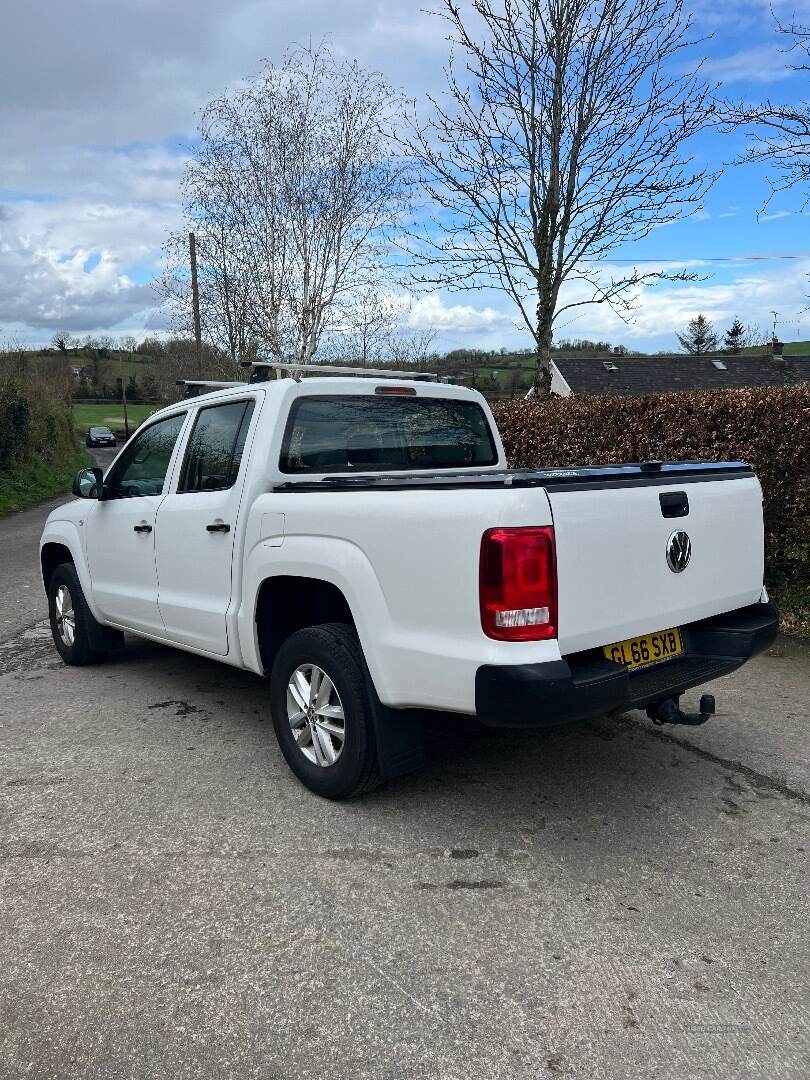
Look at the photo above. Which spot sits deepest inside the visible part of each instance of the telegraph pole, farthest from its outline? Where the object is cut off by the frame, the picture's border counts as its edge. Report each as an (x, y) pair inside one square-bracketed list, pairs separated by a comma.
[(124, 403), (195, 300)]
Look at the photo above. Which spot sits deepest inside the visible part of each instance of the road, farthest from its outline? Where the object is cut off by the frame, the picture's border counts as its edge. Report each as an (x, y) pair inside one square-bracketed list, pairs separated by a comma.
[(612, 901)]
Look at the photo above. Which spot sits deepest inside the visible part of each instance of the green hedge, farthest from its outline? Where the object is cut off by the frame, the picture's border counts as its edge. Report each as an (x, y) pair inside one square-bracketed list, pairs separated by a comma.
[(38, 448), (768, 427)]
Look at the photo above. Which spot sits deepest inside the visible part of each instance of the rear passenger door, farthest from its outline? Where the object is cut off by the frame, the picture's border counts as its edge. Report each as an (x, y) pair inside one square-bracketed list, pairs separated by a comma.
[(196, 525)]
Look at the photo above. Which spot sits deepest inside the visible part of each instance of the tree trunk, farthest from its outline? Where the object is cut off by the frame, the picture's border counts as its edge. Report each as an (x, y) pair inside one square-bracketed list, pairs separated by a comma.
[(543, 336)]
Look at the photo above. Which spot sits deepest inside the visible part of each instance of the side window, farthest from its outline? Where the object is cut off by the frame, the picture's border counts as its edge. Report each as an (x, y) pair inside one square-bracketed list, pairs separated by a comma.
[(143, 464), (215, 447)]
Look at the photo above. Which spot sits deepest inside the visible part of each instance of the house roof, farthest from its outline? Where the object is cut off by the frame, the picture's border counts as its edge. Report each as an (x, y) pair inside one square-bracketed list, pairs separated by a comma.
[(587, 375)]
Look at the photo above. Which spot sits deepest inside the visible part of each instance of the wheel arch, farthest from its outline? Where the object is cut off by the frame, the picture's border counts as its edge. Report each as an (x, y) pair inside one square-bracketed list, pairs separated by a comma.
[(286, 603), (53, 554), (61, 543)]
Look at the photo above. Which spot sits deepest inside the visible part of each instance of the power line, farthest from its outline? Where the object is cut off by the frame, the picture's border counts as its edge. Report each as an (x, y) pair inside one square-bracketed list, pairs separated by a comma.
[(710, 258)]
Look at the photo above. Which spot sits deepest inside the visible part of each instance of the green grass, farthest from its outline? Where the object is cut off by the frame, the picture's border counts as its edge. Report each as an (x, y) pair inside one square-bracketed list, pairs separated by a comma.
[(792, 348), (32, 482), (115, 366), (110, 415)]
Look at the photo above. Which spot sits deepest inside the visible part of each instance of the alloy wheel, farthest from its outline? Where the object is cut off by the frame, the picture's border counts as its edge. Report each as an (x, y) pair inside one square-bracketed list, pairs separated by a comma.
[(315, 714), (65, 615)]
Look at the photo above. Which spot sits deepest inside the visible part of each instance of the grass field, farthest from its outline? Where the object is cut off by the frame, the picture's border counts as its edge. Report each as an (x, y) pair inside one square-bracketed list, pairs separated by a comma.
[(110, 415), (792, 348)]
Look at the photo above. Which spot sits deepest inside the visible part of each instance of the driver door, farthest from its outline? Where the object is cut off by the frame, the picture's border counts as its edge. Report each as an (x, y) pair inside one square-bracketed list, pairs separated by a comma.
[(120, 529)]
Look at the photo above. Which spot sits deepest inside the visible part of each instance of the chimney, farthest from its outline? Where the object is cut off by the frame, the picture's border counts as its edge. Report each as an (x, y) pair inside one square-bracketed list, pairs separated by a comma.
[(777, 358)]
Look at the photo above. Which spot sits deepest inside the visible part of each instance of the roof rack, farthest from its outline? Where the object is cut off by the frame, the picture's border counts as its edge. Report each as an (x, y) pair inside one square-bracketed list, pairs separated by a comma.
[(194, 387), (262, 371)]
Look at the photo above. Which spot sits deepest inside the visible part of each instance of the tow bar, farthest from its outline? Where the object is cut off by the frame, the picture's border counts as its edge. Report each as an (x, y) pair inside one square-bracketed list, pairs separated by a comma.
[(667, 712)]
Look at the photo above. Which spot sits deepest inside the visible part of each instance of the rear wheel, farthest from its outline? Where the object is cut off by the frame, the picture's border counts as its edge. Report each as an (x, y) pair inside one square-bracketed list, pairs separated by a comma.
[(70, 618), (323, 711)]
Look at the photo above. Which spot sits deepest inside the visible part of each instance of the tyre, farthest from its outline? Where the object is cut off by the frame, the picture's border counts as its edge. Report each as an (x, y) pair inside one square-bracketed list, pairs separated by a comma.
[(322, 705), (71, 620)]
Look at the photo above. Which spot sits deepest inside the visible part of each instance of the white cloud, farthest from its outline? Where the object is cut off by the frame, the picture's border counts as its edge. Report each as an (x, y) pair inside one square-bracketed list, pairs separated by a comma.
[(431, 313), (775, 216), (67, 264), (89, 158), (662, 309), (762, 64)]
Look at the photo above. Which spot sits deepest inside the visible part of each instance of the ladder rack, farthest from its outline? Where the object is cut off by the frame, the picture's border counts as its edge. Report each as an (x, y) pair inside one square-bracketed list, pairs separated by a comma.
[(194, 387), (262, 371)]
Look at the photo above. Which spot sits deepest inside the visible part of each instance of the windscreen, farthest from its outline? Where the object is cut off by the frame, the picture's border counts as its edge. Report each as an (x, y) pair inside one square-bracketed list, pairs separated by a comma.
[(373, 433)]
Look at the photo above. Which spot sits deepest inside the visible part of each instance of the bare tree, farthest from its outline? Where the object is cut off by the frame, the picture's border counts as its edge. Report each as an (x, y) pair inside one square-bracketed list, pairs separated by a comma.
[(290, 191), (374, 330), (780, 133), (63, 341), (223, 287), (413, 347), (367, 326), (560, 138)]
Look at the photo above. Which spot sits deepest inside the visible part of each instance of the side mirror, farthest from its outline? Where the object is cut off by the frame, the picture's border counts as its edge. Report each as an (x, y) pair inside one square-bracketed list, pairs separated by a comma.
[(89, 484)]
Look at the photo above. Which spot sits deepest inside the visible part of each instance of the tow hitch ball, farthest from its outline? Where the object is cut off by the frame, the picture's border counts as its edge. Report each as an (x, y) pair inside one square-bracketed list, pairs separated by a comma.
[(667, 712)]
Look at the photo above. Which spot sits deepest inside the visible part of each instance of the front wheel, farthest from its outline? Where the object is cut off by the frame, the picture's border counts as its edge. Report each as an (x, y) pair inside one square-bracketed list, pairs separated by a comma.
[(323, 711), (70, 618)]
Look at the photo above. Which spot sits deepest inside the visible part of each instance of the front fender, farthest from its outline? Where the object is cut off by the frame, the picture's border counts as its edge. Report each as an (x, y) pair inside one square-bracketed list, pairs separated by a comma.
[(68, 535)]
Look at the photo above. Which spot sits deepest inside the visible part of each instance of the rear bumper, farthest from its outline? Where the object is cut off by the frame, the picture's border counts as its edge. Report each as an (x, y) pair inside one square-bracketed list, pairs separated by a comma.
[(588, 685)]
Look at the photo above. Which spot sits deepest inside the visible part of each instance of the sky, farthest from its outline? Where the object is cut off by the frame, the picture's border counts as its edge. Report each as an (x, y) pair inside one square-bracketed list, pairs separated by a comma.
[(98, 107)]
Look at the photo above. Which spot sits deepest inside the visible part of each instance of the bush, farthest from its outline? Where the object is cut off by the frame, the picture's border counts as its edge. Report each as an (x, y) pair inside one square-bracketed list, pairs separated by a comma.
[(769, 427), (35, 418), (15, 424)]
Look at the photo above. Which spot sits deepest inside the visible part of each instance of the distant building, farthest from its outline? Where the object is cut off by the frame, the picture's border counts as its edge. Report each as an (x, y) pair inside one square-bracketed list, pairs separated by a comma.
[(634, 375)]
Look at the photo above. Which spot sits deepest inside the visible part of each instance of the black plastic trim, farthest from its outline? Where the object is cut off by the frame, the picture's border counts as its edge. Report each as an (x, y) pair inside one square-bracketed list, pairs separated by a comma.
[(674, 504), (581, 479), (587, 685)]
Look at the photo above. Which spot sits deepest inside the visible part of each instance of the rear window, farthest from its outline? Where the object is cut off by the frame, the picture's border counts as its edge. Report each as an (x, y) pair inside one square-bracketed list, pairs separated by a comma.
[(368, 433)]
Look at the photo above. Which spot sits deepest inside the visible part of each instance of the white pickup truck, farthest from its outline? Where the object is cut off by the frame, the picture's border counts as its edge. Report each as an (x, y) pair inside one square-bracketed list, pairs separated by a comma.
[(361, 541)]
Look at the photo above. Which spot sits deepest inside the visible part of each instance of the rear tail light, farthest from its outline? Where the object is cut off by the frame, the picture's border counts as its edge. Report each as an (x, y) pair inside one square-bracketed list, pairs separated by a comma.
[(518, 584)]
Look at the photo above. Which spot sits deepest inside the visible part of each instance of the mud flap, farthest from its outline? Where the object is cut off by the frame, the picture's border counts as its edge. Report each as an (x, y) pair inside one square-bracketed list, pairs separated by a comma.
[(400, 736)]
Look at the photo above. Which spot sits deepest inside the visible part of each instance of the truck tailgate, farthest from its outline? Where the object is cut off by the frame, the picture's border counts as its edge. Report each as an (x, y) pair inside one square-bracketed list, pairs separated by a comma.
[(614, 579)]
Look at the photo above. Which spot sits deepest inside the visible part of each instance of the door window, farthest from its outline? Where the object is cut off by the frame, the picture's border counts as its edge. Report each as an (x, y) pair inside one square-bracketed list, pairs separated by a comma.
[(215, 447), (142, 467)]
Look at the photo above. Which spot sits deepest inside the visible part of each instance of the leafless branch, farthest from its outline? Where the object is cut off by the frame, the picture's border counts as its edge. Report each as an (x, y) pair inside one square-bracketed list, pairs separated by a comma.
[(291, 190), (560, 137), (779, 134)]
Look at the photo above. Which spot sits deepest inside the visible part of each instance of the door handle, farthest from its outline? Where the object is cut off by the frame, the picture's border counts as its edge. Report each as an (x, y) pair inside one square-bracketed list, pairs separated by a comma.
[(218, 526), (142, 528)]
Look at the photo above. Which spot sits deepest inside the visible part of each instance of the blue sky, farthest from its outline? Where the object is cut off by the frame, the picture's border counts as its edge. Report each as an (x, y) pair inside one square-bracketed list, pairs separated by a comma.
[(92, 149)]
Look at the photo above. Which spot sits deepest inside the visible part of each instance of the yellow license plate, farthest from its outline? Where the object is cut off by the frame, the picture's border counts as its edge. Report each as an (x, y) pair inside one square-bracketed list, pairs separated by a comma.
[(643, 651)]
